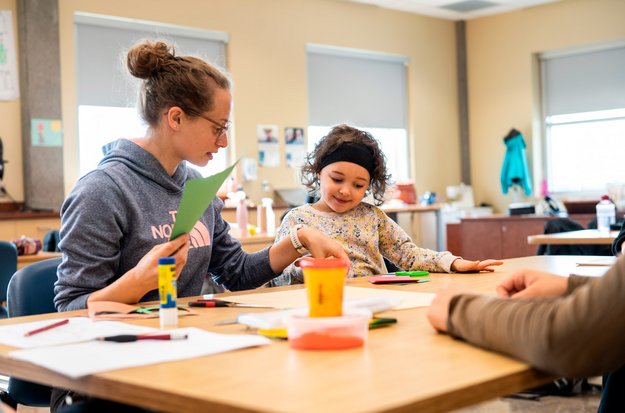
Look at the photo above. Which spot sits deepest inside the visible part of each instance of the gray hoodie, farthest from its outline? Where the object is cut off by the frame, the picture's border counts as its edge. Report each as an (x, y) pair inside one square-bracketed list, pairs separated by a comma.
[(118, 212)]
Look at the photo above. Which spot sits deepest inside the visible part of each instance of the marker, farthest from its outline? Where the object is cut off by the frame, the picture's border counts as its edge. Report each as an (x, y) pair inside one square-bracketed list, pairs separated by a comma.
[(127, 338), (412, 273), (219, 303), (209, 304), (45, 328)]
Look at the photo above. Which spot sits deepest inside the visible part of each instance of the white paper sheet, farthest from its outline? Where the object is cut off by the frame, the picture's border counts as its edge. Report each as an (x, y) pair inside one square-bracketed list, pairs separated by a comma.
[(81, 359), (78, 329), (297, 298)]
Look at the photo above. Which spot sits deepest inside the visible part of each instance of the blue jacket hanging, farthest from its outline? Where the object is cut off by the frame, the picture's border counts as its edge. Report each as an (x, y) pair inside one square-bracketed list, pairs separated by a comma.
[(514, 170)]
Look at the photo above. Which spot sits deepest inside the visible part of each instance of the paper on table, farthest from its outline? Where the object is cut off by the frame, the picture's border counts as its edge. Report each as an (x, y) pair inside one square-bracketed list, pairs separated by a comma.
[(111, 310), (78, 329), (590, 270), (77, 360), (601, 261), (198, 194), (297, 298)]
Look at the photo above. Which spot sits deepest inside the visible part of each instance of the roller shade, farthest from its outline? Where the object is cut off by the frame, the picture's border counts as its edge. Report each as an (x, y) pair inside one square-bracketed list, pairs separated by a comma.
[(584, 81), (362, 88), (102, 43)]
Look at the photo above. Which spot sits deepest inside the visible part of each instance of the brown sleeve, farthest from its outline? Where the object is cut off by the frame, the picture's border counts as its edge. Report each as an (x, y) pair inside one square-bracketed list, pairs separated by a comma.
[(581, 334)]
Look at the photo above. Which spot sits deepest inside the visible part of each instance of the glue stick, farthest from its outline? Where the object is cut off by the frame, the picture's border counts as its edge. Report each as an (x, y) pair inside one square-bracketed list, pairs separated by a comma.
[(168, 311)]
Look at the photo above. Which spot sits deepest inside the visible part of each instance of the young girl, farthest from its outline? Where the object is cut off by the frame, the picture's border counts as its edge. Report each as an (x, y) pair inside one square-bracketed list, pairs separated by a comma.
[(346, 165)]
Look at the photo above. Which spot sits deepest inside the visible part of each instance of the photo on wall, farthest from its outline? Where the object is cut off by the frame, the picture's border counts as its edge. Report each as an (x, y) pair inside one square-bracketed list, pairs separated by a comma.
[(268, 147), (295, 146)]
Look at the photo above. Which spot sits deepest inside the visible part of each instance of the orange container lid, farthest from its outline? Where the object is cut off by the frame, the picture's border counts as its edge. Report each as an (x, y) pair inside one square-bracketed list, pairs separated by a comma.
[(309, 262)]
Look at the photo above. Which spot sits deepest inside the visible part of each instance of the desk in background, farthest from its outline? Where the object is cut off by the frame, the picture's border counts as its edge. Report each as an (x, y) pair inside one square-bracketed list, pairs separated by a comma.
[(581, 237), (253, 243), (413, 209), (405, 367), (499, 236), (24, 260)]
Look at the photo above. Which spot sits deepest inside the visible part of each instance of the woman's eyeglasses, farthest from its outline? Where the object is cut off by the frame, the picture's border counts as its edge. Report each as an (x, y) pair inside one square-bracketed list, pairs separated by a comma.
[(221, 129)]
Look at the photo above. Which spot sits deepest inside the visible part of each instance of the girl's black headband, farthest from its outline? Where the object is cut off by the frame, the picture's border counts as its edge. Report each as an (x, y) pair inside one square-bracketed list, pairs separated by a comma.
[(351, 152)]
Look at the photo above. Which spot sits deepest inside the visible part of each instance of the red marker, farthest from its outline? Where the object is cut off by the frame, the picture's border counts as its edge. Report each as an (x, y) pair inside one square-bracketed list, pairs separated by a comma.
[(45, 328), (204, 303)]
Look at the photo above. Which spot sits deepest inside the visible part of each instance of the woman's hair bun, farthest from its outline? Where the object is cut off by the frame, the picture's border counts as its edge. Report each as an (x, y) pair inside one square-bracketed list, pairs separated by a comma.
[(147, 58)]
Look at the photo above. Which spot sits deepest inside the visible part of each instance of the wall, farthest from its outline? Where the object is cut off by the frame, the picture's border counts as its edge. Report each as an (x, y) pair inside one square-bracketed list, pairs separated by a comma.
[(267, 59), (503, 82), (11, 129)]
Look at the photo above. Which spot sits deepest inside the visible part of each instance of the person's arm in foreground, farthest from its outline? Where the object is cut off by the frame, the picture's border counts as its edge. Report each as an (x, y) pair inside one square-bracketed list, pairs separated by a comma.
[(576, 335)]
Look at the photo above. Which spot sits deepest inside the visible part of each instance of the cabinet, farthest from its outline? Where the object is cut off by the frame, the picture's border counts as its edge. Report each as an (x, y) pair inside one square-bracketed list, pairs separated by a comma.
[(34, 225), (499, 237)]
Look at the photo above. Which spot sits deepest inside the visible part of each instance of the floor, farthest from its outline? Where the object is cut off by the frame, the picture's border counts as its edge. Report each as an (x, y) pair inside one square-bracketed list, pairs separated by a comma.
[(550, 404), (586, 403)]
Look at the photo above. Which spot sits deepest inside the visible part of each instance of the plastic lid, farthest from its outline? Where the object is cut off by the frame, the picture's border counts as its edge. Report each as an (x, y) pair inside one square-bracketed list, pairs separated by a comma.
[(605, 198), (309, 262), (166, 260)]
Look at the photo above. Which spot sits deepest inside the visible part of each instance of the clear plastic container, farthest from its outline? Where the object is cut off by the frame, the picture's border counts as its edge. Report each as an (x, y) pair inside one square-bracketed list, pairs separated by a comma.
[(328, 333), (606, 214), (271, 216)]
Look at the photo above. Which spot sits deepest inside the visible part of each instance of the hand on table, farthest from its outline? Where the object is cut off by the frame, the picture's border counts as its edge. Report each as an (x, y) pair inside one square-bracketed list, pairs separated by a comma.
[(461, 265), (528, 283), (438, 312)]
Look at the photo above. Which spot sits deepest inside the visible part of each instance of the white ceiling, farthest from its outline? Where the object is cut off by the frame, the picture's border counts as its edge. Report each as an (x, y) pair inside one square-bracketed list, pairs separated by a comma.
[(455, 9)]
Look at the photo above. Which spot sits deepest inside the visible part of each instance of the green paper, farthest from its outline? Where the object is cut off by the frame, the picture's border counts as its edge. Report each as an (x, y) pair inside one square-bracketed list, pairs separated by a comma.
[(197, 196)]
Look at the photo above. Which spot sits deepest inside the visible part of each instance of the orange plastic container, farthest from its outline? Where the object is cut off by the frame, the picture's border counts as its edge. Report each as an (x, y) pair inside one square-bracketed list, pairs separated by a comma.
[(328, 333), (324, 279)]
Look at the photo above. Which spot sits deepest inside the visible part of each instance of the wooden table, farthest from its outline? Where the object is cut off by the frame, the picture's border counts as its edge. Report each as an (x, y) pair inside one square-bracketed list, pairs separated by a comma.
[(584, 236), (404, 368), (24, 260)]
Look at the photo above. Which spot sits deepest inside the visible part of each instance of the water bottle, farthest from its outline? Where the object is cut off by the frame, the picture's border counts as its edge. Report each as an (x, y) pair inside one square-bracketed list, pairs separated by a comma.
[(606, 214), (271, 216), (242, 213)]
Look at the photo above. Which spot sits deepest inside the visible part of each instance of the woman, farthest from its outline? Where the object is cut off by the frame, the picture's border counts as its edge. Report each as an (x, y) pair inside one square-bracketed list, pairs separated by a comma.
[(115, 224)]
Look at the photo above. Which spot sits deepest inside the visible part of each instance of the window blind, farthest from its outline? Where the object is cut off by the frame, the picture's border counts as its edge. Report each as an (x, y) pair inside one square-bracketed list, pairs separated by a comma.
[(357, 87), (584, 81), (102, 43)]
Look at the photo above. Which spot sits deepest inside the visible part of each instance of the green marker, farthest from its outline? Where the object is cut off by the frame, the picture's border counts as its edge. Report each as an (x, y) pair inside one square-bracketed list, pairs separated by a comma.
[(412, 273)]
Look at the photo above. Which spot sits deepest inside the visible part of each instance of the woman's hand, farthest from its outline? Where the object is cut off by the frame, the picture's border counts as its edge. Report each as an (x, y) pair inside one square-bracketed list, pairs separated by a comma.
[(528, 283), (438, 312), (461, 265), (143, 278), (320, 245), (147, 268)]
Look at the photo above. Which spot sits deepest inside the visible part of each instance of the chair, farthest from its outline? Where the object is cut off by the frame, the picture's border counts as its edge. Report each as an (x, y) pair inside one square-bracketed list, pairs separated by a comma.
[(8, 266), (31, 291)]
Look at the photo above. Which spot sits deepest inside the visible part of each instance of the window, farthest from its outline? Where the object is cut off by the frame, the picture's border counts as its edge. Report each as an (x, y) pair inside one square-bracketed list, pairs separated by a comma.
[(107, 93), (363, 89), (586, 150), (584, 118), (394, 144)]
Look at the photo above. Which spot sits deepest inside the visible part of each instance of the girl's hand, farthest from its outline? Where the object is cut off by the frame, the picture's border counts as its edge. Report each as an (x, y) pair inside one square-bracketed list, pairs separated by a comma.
[(528, 283), (461, 265), (320, 245)]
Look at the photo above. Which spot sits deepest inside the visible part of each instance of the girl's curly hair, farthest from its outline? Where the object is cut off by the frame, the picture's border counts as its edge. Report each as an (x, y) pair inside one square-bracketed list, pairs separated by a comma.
[(339, 135)]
